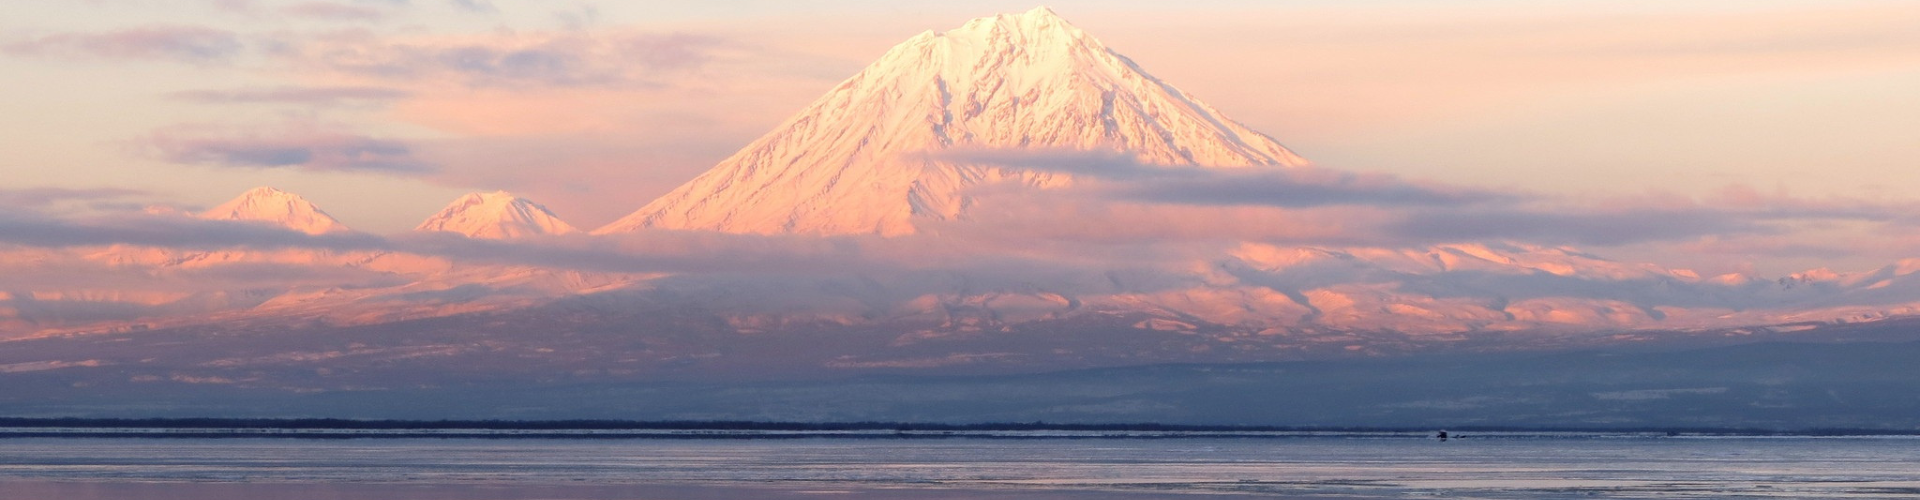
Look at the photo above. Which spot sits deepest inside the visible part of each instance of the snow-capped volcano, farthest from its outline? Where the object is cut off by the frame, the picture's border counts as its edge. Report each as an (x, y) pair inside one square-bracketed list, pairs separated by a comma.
[(866, 158), (495, 215), (273, 206)]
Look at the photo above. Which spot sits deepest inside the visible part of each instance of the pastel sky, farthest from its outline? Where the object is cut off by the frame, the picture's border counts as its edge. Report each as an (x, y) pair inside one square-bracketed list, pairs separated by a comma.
[(382, 111)]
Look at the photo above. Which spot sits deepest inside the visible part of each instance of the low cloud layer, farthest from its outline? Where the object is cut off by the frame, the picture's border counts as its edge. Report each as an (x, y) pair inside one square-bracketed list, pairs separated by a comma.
[(1118, 213), (1117, 200), (36, 230), (1734, 212), (664, 251), (1061, 244), (1578, 228), (1062, 228), (1300, 187)]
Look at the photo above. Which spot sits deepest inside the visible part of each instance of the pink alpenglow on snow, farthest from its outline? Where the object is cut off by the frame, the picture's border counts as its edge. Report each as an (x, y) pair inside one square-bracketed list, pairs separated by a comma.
[(858, 160), (273, 206), (496, 215)]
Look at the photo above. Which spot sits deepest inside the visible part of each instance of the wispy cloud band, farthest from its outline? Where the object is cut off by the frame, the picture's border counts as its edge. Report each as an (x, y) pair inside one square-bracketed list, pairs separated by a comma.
[(194, 44), (296, 145)]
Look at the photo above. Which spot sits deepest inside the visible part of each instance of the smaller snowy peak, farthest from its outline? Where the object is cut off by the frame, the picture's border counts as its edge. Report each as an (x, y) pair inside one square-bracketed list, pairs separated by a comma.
[(496, 215), (273, 206)]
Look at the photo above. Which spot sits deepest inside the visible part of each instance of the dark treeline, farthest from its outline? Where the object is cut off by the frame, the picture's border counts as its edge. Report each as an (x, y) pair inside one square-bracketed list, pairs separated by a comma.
[(698, 425)]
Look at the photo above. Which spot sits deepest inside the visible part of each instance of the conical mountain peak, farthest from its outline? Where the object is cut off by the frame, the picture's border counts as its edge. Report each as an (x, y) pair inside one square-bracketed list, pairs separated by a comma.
[(495, 215), (1040, 20), (273, 206), (864, 158)]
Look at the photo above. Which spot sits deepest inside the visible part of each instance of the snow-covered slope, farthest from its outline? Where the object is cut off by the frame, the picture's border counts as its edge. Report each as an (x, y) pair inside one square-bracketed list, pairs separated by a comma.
[(495, 215), (887, 146), (273, 206)]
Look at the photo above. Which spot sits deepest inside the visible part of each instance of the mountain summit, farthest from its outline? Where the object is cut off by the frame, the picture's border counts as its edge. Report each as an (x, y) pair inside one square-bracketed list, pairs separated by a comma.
[(888, 146), (495, 215), (273, 206)]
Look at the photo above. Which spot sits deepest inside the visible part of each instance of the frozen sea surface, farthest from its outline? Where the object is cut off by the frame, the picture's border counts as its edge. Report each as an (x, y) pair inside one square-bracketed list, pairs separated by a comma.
[(1493, 467)]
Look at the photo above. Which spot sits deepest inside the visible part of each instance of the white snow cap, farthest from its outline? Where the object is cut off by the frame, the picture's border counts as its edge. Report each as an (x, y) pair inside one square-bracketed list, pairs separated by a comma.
[(273, 206), (871, 155), (495, 215)]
